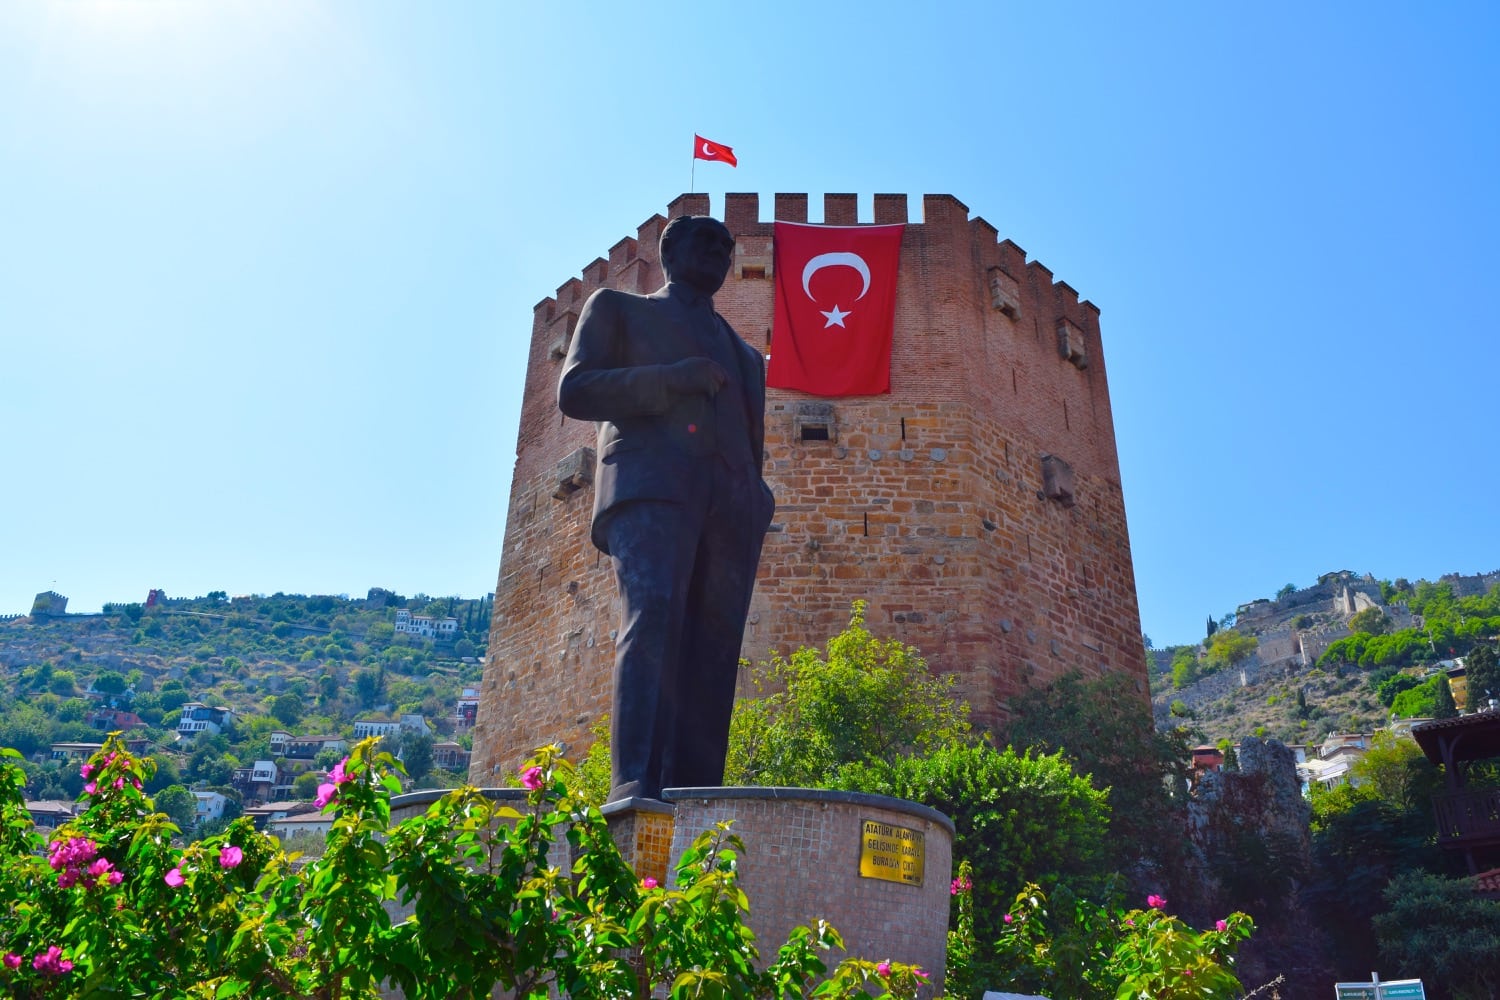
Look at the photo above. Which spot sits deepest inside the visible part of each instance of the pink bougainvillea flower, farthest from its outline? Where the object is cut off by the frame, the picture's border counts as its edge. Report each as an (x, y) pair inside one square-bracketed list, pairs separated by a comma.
[(86, 771), (1187, 972), (959, 885), (920, 973), (1009, 918), (12, 960), (1220, 925), (72, 858), (174, 878), (1129, 922), (230, 856), (115, 878), (1156, 902), (92, 788), (51, 962), (326, 794), (883, 970), (532, 778), (339, 775), (649, 883)]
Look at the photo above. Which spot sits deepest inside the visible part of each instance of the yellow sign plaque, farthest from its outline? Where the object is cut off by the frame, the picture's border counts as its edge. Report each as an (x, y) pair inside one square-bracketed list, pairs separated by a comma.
[(892, 853)]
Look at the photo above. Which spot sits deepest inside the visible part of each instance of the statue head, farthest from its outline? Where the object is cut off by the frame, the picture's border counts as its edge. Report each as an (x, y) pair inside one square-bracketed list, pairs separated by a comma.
[(696, 250)]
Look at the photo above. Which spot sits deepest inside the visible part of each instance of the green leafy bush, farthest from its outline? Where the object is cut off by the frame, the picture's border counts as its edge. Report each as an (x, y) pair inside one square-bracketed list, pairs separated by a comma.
[(1071, 947), (113, 908)]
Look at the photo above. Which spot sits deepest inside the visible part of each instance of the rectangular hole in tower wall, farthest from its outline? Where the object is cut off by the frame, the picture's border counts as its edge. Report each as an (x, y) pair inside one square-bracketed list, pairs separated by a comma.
[(815, 432), (867, 525), (903, 428), (1013, 381), (1066, 426)]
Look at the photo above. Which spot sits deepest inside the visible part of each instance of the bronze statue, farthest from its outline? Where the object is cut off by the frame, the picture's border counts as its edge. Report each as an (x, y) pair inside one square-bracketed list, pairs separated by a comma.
[(679, 503)]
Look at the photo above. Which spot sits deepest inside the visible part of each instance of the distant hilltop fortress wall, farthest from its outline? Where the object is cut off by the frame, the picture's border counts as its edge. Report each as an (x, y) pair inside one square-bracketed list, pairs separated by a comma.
[(977, 507)]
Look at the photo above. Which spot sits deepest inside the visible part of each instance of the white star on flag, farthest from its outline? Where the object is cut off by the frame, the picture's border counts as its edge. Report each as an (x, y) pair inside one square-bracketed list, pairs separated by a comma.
[(836, 317)]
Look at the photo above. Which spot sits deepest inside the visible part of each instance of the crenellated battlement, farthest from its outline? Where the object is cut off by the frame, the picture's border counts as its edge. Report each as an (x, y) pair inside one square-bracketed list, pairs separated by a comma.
[(633, 263)]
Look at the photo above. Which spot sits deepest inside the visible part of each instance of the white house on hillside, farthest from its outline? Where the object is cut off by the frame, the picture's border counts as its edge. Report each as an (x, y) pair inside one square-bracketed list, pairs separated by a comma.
[(425, 626), (210, 805), (199, 718), (411, 723)]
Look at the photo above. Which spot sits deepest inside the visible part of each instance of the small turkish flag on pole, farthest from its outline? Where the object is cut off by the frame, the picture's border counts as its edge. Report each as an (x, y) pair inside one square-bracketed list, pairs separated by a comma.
[(707, 149)]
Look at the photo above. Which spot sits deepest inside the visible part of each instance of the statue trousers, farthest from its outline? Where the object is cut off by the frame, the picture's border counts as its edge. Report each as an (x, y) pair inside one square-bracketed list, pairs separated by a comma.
[(685, 571)]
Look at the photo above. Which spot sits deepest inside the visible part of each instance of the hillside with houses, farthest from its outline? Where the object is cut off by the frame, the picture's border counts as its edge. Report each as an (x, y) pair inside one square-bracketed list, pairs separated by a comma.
[(242, 703), (1327, 668)]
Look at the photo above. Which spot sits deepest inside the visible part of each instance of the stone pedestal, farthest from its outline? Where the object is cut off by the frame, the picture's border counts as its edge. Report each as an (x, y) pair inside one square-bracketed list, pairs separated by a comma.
[(642, 831), (878, 869)]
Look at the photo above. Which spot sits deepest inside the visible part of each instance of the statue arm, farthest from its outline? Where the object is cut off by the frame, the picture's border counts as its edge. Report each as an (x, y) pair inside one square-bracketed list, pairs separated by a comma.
[(595, 384)]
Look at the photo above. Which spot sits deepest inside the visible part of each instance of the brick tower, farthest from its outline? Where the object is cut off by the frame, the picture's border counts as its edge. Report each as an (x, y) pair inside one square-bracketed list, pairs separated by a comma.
[(977, 507)]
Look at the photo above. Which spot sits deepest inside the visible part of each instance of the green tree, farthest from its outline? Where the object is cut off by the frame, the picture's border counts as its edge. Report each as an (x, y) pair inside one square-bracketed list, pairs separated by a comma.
[(1185, 666), (1102, 727), (1366, 833), (416, 755), (163, 773), (1438, 929), (1392, 685), (369, 685), (180, 806), (305, 786), (860, 698), (1018, 818), (26, 728), (288, 709), (1372, 621), (1286, 590), (1421, 701), (1443, 706), (1482, 677), (110, 682), (1229, 648), (1398, 772)]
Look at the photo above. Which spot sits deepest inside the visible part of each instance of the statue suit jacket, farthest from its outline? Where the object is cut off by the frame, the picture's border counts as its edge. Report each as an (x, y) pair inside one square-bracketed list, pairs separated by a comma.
[(652, 442)]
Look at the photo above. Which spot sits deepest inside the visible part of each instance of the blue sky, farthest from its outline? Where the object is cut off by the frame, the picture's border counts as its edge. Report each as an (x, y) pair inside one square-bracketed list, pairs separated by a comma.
[(267, 270)]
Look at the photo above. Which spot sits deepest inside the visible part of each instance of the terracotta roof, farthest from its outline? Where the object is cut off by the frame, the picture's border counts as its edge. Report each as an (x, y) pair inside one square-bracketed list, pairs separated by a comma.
[(1488, 882)]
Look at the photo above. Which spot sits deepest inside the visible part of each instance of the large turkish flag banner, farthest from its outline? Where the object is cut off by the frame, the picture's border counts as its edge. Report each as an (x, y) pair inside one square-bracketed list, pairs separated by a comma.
[(835, 308)]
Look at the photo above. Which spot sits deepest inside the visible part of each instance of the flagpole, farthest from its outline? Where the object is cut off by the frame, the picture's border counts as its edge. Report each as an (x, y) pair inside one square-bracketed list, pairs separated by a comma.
[(693, 174)]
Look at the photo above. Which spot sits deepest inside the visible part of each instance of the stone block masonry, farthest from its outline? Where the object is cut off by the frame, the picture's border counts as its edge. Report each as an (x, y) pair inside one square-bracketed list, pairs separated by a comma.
[(977, 507)]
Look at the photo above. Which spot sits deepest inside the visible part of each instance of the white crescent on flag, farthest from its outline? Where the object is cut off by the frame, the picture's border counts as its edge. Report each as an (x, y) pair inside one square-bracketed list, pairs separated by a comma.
[(838, 259)]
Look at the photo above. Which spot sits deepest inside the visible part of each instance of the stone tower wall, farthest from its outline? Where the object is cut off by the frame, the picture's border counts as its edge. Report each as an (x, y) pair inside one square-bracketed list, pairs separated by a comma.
[(977, 507)]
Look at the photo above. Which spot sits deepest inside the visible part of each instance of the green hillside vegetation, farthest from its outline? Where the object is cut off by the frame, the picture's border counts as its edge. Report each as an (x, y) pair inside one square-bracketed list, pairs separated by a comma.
[(1358, 682), (303, 664), (1450, 627)]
